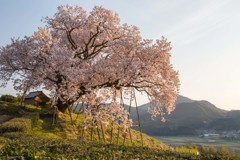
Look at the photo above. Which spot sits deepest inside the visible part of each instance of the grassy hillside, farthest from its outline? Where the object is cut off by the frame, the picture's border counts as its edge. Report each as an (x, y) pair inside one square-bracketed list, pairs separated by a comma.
[(64, 128), (37, 123), (28, 133)]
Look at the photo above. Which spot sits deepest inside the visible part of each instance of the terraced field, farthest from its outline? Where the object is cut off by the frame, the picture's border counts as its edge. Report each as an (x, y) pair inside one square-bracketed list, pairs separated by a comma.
[(205, 141)]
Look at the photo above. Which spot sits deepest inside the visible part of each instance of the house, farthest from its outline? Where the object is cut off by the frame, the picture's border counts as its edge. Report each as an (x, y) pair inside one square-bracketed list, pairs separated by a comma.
[(37, 98)]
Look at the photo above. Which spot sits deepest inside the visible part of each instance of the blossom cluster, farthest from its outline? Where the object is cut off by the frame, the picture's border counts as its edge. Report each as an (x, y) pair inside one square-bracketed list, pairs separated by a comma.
[(89, 57)]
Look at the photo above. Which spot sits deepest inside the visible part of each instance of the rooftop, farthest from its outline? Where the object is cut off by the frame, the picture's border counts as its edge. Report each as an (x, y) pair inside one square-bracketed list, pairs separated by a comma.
[(33, 94)]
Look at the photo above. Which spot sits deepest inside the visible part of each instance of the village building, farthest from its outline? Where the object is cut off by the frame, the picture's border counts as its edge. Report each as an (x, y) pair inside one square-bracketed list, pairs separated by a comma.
[(37, 98)]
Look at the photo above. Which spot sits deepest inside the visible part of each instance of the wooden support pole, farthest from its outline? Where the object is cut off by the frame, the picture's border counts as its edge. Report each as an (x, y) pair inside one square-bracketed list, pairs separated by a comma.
[(84, 123), (111, 138), (125, 133), (92, 130), (70, 114), (139, 124), (118, 134), (102, 132), (129, 110), (99, 137)]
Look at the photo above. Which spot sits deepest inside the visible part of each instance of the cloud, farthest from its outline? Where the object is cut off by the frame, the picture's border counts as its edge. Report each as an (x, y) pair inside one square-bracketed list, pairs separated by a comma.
[(198, 23)]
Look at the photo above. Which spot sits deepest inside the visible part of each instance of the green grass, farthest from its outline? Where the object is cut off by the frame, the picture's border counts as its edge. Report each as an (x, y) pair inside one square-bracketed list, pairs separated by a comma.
[(30, 146), (76, 132), (15, 109), (63, 140), (16, 125), (186, 150), (64, 128)]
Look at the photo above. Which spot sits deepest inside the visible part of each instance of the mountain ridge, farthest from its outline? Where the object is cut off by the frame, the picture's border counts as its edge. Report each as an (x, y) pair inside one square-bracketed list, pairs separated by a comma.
[(190, 117)]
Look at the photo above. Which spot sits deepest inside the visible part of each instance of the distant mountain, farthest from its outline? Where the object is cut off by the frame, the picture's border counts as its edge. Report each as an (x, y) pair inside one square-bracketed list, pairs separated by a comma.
[(182, 99), (190, 117)]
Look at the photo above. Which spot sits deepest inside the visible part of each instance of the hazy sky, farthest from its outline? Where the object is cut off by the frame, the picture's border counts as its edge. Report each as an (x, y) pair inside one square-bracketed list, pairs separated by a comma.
[(205, 36)]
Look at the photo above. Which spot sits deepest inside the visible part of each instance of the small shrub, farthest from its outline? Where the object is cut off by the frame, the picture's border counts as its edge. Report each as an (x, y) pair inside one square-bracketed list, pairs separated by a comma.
[(32, 108), (223, 151), (34, 117), (9, 98), (16, 125), (7, 108), (211, 150), (187, 150)]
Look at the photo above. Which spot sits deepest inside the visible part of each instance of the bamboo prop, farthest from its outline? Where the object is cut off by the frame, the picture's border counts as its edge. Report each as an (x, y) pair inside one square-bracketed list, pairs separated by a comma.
[(125, 133), (52, 105), (92, 130), (98, 132), (99, 138), (111, 133), (111, 138), (70, 114), (129, 110), (55, 117), (102, 132), (84, 123), (118, 134), (139, 124), (118, 126)]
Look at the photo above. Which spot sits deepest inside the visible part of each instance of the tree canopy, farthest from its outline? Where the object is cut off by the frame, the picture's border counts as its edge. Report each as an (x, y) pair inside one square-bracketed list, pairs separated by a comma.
[(94, 58)]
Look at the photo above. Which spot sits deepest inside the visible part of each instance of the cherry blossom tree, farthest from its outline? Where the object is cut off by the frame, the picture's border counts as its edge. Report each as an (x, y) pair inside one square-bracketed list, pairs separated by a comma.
[(94, 58)]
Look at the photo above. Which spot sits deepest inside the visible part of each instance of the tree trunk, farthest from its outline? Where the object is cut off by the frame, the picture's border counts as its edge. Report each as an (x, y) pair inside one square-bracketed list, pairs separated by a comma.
[(62, 107)]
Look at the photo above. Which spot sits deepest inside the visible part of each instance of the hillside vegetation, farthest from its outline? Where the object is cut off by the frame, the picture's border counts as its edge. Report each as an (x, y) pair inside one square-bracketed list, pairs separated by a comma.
[(27, 133)]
